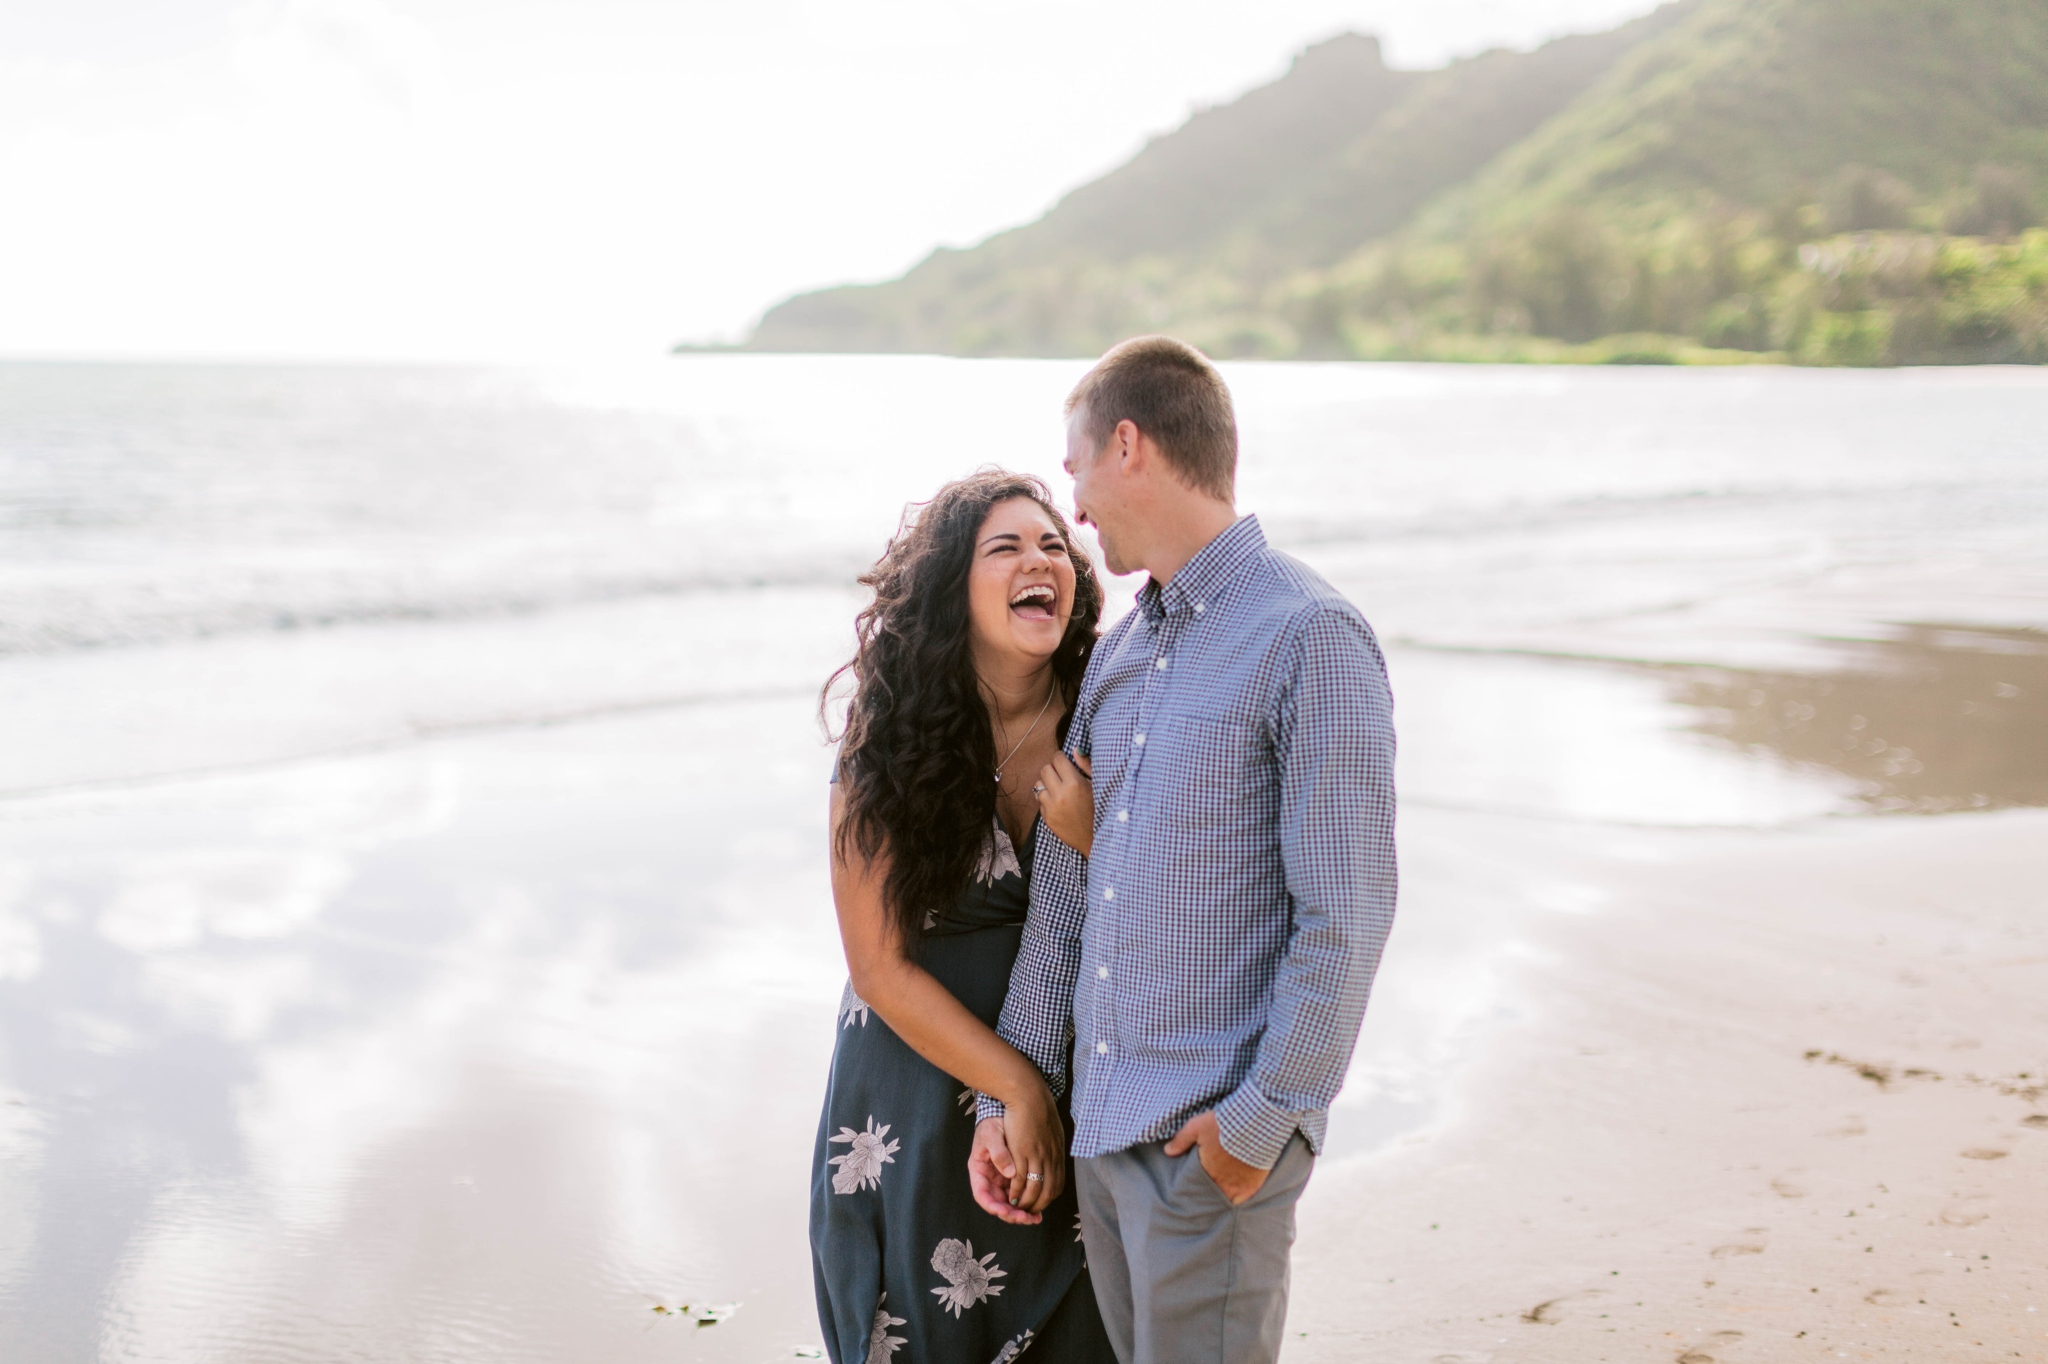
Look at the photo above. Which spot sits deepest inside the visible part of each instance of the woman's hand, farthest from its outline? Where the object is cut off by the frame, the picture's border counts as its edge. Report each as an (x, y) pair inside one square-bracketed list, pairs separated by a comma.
[(1036, 1142), (1066, 800), (990, 1167), (1029, 1139)]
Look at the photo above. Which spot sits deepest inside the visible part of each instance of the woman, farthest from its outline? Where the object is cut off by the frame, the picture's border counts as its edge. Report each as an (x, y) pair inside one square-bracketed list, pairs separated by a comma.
[(966, 667)]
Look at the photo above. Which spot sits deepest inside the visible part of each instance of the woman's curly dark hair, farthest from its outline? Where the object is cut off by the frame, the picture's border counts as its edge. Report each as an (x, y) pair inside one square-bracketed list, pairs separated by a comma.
[(918, 749)]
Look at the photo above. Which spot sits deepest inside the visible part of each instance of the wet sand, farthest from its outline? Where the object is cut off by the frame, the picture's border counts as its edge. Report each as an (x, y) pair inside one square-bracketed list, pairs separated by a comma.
[(491, 1043), (1765, 1096)]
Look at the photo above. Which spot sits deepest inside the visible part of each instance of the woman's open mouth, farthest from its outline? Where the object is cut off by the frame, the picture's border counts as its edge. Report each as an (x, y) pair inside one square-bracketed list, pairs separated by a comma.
[(1035, 602)]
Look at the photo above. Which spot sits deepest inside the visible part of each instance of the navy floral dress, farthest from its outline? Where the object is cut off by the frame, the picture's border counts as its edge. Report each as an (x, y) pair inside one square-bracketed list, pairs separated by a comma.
[(909, 1269)]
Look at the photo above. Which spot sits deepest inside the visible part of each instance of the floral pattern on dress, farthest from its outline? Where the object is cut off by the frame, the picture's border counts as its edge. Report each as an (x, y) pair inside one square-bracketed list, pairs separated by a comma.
[(861, 1166), (968, 1280), (880, 1343), (1017, 1345), (851, 1004), (998, 857)]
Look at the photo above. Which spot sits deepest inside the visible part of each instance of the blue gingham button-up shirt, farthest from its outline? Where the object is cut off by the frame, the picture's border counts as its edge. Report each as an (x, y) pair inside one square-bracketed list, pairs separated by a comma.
[(1217, 949)]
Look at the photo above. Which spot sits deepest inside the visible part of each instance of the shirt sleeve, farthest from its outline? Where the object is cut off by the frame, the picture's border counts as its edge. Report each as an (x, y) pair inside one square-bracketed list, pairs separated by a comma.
[(1038, 1013), (1334, 741)]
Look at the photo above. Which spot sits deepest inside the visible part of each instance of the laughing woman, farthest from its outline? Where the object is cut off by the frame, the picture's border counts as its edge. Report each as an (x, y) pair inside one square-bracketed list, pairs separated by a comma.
[(965, 668)]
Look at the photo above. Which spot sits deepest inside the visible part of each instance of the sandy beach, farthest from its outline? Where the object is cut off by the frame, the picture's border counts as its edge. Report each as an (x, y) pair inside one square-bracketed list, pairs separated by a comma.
[(415, 941), (1766, 1096)]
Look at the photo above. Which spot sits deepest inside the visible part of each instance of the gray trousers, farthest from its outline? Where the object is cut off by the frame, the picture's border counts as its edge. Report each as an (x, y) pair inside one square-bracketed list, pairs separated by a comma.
[(1182, 1276)]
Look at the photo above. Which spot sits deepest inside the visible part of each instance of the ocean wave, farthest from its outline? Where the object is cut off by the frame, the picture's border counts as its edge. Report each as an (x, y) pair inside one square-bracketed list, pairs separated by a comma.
[(171, 597), (45, 623)]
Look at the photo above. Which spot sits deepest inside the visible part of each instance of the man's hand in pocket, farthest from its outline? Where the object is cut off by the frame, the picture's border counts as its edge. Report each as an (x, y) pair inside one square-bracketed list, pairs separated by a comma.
[(1237, 1180)]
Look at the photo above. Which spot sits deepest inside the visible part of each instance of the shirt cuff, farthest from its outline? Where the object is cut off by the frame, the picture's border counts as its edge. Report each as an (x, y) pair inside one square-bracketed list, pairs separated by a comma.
[(1255, 1129), (986, 1108)]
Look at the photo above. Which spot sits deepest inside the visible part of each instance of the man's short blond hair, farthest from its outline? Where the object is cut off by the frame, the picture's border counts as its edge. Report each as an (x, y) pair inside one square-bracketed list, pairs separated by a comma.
[(1169, 391)]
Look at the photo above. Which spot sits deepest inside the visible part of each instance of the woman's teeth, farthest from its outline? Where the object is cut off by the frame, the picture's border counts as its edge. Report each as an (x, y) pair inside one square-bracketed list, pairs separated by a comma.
[(1033, 603)]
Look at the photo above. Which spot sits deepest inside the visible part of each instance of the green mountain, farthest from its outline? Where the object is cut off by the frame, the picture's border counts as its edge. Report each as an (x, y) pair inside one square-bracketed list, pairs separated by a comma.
[(1832, 181)]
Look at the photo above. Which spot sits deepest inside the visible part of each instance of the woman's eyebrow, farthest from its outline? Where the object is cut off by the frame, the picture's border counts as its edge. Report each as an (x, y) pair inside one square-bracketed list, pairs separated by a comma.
[(1001, 535)]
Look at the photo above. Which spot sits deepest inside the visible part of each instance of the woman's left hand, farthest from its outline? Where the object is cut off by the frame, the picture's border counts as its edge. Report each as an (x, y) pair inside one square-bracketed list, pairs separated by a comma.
[(1066, 800)]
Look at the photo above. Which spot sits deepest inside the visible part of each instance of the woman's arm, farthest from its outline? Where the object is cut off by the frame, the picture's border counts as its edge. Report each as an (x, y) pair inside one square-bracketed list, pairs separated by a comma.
[(1066, 800), (938, 1026)]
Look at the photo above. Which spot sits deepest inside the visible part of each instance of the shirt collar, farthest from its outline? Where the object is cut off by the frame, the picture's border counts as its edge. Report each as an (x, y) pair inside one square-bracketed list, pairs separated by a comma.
[(1208, 576)]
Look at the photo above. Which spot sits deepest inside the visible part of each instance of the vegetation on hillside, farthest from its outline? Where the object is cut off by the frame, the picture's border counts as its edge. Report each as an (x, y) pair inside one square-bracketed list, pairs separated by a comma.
[(1783, 287), (1815, 181)]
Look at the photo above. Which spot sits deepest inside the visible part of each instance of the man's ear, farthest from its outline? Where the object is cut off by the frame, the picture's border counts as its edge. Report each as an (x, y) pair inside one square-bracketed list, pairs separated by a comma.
[(1130, 446)]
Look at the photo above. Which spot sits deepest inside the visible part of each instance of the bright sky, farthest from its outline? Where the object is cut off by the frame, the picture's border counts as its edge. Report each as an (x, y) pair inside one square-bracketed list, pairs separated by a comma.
[(538, 179)]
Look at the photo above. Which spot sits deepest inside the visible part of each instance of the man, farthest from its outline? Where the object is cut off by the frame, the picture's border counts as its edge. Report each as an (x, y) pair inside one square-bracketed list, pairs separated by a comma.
[(1205, 966)]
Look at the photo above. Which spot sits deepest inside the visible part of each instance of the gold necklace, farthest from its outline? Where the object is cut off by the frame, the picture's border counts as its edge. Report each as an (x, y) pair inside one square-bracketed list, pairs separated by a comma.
[(1027, 733)]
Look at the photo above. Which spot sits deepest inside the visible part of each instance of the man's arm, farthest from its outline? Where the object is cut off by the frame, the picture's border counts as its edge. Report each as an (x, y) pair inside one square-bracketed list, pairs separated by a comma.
[(1037, 1019), (1038, 1013), (1334, 736)]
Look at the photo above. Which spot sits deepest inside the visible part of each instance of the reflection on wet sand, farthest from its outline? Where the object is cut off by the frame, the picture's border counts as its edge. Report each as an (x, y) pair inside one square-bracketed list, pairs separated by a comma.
[(1942, 717), (496, 1046), (478, 1049)]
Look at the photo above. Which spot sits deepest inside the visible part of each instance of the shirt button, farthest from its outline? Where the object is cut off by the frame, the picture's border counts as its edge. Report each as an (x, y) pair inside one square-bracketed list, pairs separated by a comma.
[(1102, 1048), (1159, 663), (1102, 972), (1109, 894), (1123, 816), (1137, 738), (1198, 608)]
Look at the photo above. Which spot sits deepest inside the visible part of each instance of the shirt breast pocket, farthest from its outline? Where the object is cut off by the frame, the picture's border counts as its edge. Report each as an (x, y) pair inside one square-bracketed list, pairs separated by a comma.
[(1213, 776)]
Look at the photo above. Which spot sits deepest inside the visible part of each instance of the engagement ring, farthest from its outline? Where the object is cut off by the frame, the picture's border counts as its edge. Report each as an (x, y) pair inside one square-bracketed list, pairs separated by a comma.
[(1040, 788), (1034, 1178)]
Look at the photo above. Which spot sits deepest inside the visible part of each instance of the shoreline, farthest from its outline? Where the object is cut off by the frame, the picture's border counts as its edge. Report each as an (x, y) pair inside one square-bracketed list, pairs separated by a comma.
[(507, 1029)]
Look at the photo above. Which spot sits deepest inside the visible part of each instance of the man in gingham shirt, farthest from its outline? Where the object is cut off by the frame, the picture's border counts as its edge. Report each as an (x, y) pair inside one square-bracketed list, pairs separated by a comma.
[(1205, 966)]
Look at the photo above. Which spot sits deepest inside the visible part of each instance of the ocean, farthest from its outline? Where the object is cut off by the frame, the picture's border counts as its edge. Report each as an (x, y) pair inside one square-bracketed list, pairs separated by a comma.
[(414, 936)]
